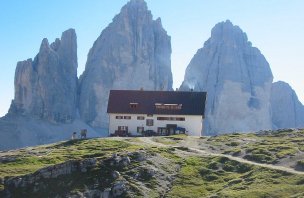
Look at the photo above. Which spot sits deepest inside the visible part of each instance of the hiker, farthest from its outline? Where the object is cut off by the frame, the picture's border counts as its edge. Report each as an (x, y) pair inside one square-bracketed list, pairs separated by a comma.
[(74, 136), (83, 133)]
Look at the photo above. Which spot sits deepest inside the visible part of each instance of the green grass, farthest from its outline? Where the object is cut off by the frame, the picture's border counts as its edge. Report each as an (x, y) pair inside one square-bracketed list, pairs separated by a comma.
[(170, 140), (26, 162), (221, 177), (197, 176), (267, 148)]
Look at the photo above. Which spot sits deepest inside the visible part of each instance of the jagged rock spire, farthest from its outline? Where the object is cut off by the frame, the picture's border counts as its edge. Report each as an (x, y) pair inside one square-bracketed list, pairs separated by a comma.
[(47, 87), (237, 79), (287, 110), (132, 52)]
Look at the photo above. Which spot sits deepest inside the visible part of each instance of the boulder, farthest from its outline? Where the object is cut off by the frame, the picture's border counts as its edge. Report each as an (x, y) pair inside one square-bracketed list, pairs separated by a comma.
[(106, 193), (115, 175), (118, 189), (125, 161)]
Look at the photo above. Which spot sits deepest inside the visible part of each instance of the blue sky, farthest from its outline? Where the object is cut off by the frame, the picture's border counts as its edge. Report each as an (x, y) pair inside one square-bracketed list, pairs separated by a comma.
[(274, 26)]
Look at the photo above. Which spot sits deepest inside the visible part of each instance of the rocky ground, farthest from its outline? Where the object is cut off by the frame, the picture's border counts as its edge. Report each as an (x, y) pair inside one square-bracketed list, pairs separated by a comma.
[(267, 164)]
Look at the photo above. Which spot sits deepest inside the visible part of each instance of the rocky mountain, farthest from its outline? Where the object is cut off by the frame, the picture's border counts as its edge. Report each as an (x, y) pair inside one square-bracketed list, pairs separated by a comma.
[(237, 78), (44, 107), (287, 110), (133, 52), (46, 87)]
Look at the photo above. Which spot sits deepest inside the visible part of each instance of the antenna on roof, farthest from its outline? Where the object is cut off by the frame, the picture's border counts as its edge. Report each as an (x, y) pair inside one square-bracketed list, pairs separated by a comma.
[(191, 90), (141, 89)]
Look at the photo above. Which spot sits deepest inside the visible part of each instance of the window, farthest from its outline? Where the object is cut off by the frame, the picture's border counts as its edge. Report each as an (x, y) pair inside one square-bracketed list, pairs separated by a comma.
[(133, 105), (162, 131), (161, 106), (140, 130), (180, 119), (149, 122), (119, 117), (122, 128), (171, 118), (127, 117), (140, 117)]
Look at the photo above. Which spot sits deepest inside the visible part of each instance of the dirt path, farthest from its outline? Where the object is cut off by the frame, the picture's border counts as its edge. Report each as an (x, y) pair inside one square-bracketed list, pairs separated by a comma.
[(193, 148)]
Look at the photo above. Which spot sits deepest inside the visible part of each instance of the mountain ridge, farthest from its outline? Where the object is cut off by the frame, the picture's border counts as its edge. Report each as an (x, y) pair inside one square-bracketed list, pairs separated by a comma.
[(134, 52)]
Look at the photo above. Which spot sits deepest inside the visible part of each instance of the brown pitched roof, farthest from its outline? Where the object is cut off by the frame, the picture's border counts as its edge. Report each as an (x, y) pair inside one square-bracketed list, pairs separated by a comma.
[(122, 101)]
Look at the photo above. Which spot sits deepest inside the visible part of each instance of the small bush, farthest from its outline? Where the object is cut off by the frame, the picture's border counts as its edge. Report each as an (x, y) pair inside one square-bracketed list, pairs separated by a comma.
[(243, 168), (183, 148), (211, 177), (204, 171), (213, 165), (300, 164), (234, 166), (223, 159), (300, 182), (235, 181), (261, 151), (228, 167), (233, 144), (261, 158)]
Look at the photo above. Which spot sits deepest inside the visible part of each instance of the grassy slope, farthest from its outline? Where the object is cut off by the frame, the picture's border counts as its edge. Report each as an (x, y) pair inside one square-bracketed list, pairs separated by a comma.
[(267, 148), (31, 159), (220, 177), (198, 176)]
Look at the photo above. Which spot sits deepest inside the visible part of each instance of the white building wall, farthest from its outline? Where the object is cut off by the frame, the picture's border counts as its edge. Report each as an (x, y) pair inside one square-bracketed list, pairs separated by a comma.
[(193, 123)]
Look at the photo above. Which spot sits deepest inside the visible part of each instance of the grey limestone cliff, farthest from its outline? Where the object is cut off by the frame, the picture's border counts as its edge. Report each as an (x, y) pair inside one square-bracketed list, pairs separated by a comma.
[(46, 87), (237, 79), (133, 52), (287, 110)]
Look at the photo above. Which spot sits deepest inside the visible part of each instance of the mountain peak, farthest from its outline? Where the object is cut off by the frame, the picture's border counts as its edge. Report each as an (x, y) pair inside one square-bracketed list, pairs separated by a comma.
[(44, 45), (132, 52), (227, 32), (68, 34), (135, 5), (228, 66), (287, 110)]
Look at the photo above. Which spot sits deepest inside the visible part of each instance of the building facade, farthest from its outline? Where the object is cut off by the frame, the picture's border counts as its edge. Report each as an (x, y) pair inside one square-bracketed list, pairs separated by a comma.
[(141, 113)]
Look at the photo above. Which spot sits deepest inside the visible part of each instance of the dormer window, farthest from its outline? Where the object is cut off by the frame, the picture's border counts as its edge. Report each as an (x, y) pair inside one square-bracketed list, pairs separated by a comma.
[(168, 106), (133, 105)]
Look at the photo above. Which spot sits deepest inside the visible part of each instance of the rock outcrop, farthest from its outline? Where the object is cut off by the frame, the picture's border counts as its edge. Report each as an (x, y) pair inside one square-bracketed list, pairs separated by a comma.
[(44, 109), (287, 110), (237, 79), (46, 87), (133, 52)]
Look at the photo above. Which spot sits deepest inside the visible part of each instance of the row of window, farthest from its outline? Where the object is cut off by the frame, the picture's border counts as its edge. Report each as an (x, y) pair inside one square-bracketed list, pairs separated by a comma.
[(129, 117), (160, 130), (171, 118), (168, 106), (123, 117), (158, 118), (134, 105), (125, 128)]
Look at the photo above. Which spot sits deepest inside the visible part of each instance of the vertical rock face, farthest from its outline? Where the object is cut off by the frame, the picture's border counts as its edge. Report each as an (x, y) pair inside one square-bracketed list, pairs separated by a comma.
[(133, 52), (47, 87), (287, 110), (237, 79)]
